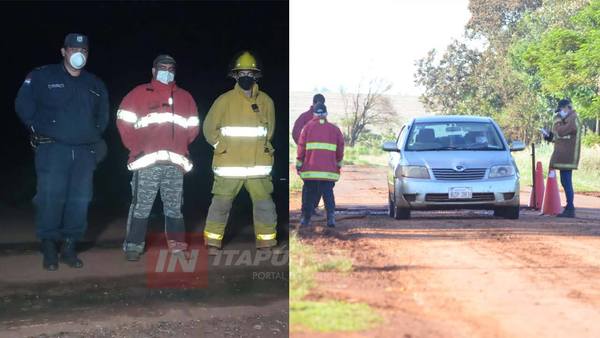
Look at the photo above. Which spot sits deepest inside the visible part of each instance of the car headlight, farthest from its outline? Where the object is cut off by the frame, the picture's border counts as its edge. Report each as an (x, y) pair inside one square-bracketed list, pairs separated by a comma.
[(412, 171), (502, 171)]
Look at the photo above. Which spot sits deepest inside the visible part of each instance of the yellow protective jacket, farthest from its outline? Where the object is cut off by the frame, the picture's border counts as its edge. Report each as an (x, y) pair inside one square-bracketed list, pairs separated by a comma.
[(240, 128)]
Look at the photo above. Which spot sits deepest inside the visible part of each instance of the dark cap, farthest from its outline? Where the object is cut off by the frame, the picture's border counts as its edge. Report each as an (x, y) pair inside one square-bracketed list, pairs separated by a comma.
[(563, 103), (164, 59), (76, 40), (318, 98), (320, 109)]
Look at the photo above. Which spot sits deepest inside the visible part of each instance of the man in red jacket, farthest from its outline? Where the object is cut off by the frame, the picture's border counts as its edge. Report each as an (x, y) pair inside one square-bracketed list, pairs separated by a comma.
[(305, 117), (157, 121), (301, 121), (320, 156)]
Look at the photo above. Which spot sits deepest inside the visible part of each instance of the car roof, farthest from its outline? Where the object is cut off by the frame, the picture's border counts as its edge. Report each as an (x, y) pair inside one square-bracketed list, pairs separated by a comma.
[(452, 118)]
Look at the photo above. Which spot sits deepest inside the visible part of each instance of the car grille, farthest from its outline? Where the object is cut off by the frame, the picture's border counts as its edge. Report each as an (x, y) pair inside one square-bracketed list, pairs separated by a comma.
[(477, 197), (451, 174)]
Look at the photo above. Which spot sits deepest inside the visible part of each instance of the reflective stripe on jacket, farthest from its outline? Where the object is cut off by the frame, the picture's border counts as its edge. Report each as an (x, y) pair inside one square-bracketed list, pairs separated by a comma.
[(240, 128), (157, 122), (320, 151)]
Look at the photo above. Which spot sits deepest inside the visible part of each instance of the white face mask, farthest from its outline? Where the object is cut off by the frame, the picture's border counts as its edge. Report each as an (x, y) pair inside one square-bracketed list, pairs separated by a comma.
[(77, 60), (562, 114), (165, 76)]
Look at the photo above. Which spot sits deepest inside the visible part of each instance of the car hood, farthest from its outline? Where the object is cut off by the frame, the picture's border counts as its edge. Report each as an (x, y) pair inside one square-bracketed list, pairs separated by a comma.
[(452, 158)]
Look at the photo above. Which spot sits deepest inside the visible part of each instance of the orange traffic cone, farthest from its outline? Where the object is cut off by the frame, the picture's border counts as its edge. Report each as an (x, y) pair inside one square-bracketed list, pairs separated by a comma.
[(551, 205), (539, 188)]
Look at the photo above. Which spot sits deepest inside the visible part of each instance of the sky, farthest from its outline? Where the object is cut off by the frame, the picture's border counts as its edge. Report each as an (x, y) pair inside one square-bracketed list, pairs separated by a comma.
[(338, 43)]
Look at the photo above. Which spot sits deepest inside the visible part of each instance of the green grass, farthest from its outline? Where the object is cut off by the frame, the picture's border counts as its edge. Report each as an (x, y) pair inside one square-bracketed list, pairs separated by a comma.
[(327, 315), (363, 155), (585, 179), (302, 268), (338, 264), (333, 316), (295, 182)]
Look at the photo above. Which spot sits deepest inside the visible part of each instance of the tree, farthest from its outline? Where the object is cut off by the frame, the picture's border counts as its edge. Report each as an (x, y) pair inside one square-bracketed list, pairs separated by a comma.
[(535, 53), (496, 19), (567, 61), (362, 109), (448, 82)]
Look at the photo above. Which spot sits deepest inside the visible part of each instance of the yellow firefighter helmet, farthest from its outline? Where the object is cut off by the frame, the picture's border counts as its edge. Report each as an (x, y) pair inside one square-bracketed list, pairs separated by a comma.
[(245, 60)]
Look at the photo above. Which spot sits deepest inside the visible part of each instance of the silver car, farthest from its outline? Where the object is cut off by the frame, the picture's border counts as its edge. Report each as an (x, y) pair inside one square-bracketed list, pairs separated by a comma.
[(452, 162)]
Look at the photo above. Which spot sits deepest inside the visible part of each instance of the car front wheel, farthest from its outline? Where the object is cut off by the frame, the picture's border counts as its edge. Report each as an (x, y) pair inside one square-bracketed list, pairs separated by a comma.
[(507, 212), (397, 212)]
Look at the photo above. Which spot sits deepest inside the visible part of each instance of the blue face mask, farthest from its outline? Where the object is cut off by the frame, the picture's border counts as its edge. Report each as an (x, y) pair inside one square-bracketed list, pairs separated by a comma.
[(165, 76), (563, 114), (77, 60)]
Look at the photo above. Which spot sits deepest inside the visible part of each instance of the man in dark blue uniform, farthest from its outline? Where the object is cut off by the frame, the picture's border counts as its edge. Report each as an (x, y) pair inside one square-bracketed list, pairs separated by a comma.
[(66, 110)]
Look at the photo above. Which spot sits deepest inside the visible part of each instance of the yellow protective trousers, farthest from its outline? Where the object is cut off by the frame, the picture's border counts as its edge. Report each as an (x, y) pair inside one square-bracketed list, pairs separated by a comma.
[(224, 191)]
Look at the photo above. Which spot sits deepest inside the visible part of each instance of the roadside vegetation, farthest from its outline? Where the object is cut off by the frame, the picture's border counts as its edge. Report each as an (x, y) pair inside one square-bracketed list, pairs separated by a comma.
[(515, 61), (324, 315), (585, 179)]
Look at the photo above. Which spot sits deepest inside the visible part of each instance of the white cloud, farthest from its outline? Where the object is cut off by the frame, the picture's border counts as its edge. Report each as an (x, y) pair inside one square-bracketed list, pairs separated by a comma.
[(337, 43)]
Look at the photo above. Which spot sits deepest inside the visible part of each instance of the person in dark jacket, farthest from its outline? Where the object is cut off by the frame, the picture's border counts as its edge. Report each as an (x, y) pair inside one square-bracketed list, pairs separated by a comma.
[(319, 160), (65, 108), (566, 136)]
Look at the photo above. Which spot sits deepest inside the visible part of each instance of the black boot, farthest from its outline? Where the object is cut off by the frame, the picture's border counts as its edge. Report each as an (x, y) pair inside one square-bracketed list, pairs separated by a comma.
[(68, 254), (569, 213), (331, 219), (50, 253)]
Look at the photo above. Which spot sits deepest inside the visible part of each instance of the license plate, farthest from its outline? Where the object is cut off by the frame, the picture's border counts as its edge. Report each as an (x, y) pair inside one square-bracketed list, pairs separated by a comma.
[(460, 193)]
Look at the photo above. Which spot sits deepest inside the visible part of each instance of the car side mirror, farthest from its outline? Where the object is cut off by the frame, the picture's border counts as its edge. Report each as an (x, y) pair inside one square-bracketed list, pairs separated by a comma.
[(390, 146), (517, 146)]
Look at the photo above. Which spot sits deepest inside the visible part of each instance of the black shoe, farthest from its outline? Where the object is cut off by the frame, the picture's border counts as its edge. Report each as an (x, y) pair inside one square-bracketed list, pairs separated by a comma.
[(68, 254), (331, 220), (569, 213), (50, 253)]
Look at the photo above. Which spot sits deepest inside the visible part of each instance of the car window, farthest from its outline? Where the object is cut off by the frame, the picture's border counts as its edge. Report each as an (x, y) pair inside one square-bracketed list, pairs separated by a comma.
[(401, 135), (454, 136)]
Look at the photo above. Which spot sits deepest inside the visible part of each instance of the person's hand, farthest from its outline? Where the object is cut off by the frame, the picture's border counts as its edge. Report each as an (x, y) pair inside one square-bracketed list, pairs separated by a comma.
[(549, 137)]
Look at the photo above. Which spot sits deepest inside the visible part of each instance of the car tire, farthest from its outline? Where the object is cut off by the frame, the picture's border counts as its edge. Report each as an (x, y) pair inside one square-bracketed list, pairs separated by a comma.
[(401, 213), (507, 212)]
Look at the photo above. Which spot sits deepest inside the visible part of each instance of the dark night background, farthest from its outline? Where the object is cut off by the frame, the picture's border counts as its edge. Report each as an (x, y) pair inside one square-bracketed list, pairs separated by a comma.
[(124, 39)]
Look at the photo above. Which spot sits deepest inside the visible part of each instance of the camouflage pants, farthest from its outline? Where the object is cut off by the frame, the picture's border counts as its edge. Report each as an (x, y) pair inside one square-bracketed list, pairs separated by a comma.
[(145, 184)]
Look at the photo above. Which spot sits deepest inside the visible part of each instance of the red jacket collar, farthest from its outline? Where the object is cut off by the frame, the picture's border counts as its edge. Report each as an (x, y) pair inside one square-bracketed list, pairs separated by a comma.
[(159, 86)]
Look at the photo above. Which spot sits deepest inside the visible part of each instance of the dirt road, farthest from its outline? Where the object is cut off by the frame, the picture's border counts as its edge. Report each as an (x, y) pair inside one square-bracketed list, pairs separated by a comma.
[(463, 273), (109, 297)]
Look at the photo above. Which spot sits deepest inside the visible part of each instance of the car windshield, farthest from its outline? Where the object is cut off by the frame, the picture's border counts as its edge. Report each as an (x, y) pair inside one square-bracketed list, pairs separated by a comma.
[(426, 136)]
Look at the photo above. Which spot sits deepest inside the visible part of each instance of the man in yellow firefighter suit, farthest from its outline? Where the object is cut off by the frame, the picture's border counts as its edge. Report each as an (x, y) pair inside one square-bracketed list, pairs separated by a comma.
[(240, 126)]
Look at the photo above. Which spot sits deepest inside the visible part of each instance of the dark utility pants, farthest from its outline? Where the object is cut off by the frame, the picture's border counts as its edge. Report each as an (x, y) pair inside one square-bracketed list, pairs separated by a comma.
[(566, 180), (64, 189), (316, 205), (312, 191)]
